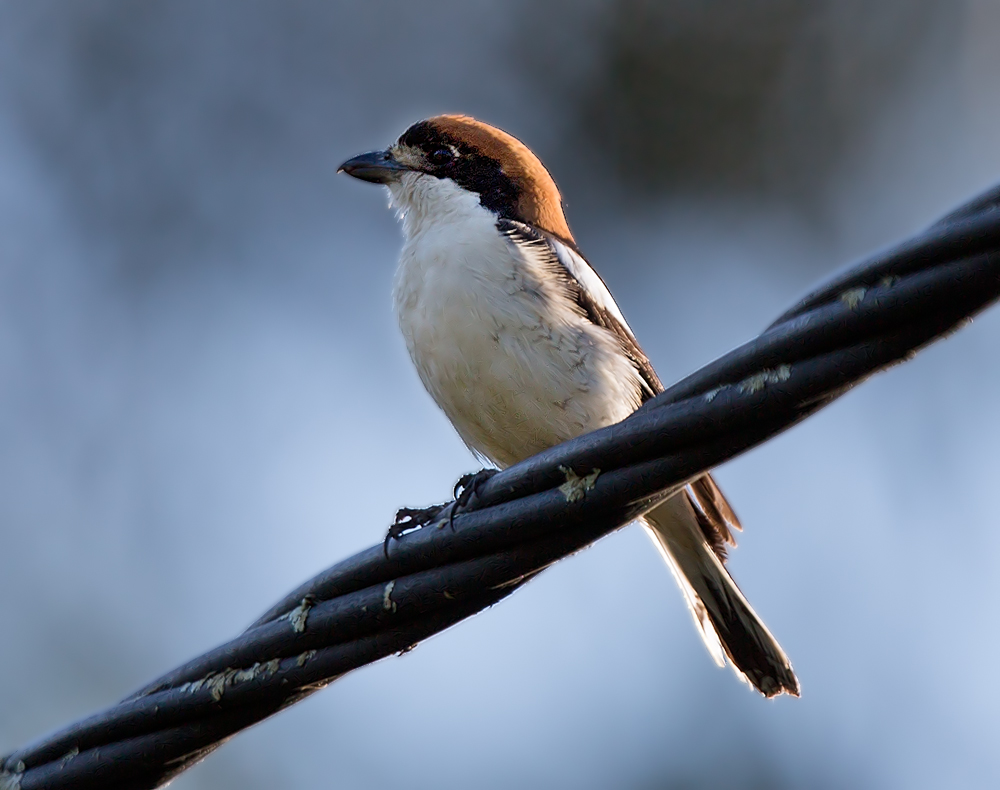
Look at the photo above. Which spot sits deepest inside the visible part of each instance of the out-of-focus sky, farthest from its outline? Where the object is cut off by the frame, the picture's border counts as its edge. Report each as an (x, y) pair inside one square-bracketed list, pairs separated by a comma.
[(204, 401)]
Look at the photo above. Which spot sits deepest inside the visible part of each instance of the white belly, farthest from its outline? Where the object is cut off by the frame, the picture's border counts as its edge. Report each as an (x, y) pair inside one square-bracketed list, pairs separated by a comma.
[(512, 363)]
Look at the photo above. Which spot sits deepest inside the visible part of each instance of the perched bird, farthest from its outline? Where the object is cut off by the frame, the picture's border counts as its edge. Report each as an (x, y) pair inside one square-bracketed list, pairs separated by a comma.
[(520, 343)]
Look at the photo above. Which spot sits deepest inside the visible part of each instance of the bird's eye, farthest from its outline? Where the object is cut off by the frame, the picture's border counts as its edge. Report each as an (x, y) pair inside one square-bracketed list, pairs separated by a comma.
[(442, 156)]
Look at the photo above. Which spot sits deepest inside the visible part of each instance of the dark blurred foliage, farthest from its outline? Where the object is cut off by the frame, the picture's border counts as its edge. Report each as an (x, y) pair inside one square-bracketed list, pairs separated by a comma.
[(724, 95), (171, 123)]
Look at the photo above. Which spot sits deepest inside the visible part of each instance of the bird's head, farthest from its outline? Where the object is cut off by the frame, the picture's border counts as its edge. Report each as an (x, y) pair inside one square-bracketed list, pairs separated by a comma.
[(451, 158)]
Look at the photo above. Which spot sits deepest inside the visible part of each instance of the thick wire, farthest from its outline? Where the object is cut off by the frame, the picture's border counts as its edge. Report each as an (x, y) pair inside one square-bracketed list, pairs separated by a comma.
[(527, 517)]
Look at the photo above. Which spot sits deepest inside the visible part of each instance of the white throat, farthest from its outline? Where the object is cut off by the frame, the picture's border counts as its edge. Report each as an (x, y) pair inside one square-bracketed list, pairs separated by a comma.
[(425, 203)]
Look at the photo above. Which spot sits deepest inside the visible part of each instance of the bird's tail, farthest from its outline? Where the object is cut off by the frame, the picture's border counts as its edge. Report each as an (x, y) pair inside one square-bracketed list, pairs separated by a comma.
[(691, 530)]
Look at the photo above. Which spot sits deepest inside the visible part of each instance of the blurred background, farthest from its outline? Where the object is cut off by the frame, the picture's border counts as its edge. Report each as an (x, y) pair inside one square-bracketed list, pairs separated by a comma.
[(204, 401)]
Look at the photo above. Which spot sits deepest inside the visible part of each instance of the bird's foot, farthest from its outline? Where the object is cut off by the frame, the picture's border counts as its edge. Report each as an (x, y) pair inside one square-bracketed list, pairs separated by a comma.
[(408, 518), (468, 485)]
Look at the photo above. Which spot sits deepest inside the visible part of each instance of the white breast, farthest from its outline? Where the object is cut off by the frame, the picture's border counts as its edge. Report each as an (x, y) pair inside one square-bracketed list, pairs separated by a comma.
[(511, 361)]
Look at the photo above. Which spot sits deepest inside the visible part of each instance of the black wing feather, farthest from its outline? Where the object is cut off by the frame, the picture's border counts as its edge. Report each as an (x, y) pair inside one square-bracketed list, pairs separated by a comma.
[(715, 517), (589, 303)]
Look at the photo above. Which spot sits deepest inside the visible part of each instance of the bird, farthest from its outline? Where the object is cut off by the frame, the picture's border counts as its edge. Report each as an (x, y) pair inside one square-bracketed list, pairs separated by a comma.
[(518, 340)]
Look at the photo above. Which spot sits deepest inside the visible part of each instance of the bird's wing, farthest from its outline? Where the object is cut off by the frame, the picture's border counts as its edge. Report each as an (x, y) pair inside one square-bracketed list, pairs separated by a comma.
[(585, 287)]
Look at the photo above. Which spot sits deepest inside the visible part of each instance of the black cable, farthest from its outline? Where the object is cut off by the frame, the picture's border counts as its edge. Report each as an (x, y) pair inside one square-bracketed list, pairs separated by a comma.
[(528, 516)]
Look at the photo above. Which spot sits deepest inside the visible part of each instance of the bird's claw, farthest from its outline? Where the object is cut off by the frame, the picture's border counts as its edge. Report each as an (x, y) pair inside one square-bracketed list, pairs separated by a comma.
[(468, 485), (408, 518)]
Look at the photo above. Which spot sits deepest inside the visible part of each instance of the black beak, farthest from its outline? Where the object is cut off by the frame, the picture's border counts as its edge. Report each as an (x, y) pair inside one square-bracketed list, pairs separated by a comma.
[(379, 167)]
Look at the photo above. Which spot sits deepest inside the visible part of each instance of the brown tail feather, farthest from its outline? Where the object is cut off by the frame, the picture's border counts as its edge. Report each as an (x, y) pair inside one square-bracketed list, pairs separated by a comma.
[(710, 499), (722, 614)]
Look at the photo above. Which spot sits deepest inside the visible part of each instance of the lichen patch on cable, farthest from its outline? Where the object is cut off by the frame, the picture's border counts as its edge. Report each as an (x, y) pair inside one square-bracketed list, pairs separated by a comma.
[(853, 297), (299, 615), (217, 682), (758, 381), (387, 603), (575, 488), (303, 658), (712, 393)]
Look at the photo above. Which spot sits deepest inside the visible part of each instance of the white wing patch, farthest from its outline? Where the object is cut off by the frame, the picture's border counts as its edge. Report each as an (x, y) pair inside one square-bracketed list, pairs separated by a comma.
[(590, 280)]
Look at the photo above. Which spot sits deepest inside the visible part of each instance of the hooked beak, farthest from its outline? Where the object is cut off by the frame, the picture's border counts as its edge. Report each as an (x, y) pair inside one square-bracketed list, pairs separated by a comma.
[(378, 167)]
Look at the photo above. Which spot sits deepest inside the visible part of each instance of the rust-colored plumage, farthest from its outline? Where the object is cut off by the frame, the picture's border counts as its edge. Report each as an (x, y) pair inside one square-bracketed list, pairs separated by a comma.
[(540, 203)]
